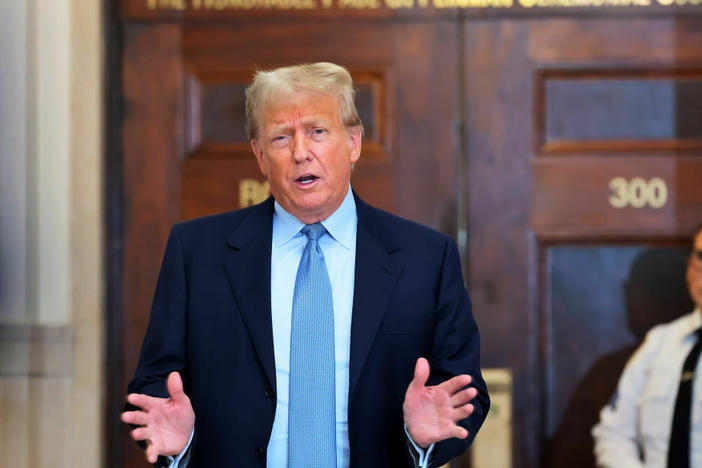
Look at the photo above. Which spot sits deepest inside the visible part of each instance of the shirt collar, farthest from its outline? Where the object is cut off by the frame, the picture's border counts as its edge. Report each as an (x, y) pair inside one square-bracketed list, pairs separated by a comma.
[(695, 321), (341, 224)]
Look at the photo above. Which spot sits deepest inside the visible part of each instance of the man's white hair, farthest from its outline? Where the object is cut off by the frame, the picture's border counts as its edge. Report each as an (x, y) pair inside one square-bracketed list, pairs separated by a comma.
[(322, 78)]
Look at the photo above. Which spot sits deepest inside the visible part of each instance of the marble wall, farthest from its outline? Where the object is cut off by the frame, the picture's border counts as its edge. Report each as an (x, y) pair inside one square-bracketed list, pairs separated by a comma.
[(51, 228)]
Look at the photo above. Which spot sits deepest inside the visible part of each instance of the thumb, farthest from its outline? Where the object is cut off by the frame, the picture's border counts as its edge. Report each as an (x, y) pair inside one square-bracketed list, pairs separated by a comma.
[(421, 373), (175, 387)]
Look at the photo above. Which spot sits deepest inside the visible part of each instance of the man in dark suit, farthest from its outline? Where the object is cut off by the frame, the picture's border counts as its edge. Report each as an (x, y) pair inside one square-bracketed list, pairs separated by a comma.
[(307, 328)]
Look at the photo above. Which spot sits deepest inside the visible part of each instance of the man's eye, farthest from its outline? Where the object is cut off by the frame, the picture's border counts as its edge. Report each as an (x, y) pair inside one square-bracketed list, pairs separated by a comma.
[(279, 138), (319, 131)]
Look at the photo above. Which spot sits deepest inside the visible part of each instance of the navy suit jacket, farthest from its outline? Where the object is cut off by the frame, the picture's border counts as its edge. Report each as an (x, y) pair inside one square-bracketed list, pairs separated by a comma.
[(211, 321)]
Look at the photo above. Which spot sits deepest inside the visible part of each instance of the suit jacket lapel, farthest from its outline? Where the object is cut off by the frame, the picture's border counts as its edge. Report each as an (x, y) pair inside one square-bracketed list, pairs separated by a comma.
[(377, 272), (248, 268)]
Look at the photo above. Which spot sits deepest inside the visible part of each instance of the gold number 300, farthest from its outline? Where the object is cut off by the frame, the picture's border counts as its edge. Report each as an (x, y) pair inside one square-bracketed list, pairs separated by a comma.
[(638, 192)]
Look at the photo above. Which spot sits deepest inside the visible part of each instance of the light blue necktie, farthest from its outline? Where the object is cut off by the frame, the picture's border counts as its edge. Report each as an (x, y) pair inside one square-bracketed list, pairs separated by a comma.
[(312, 411)]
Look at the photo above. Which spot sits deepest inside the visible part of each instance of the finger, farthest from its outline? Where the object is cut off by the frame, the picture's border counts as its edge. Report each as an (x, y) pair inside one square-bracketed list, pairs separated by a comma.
[(141, 433), (463, 397), (175, 387), (145, 402), (456, 383), (459, 432), (135, 417), (421, 373), (151, 452), (463, 412)]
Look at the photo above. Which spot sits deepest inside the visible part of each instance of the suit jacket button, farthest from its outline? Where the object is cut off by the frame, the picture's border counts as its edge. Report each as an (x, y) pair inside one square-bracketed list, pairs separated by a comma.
[(260, 453), (268, 393)]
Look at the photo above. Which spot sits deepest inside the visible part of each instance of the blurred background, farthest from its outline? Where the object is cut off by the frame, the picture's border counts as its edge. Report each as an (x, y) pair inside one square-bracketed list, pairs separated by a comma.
[(559, 141)]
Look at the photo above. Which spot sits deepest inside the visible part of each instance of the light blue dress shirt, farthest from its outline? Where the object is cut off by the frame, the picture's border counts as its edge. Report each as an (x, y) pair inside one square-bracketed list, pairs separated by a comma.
[(339, 248)]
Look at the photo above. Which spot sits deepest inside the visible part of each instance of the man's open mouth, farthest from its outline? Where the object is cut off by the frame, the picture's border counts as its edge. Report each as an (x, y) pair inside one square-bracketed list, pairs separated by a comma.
[(307, 179)]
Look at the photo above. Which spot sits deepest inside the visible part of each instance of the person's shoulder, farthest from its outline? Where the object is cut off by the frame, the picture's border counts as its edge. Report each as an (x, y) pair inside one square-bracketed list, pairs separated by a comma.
[(674, 326), (402, 229), (661, 334), (222, 224)]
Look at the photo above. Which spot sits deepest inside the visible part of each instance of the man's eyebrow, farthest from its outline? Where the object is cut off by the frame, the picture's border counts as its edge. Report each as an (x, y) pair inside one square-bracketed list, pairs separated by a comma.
[(281, 128), (315, 122)]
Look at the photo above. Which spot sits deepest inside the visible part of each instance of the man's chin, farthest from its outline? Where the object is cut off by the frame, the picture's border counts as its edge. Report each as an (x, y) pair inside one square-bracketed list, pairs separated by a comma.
[(310, 210)]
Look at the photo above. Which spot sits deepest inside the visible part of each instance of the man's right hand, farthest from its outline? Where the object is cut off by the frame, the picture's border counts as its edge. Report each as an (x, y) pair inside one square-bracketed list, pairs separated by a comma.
[(166, 424)]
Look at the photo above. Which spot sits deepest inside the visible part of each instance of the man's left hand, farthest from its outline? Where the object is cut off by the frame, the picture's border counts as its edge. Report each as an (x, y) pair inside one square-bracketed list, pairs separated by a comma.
[(432, 413)]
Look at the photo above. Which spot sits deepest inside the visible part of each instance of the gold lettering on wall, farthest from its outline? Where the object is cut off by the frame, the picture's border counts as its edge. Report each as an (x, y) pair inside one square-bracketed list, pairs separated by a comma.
[(472, 3), (251, 192), (167, 4), (396, 4), (638, 192), (679, 2), (220, 5), (359, 4), (254, 4), (583, 3)]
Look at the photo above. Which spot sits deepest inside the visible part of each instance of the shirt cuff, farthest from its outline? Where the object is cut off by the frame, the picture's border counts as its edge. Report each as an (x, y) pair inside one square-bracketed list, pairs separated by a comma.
[(174, 461), (420, 456)]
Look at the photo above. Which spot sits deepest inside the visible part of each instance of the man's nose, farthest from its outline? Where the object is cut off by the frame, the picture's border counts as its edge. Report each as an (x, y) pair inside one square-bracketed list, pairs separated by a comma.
[(300, 152)]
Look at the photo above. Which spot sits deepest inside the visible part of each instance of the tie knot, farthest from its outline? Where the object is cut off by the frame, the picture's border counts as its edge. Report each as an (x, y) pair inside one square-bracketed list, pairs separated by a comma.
[(314, 231)]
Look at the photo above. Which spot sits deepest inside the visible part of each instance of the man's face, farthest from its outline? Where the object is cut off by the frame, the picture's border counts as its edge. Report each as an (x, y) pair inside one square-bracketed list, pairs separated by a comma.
[(306, 152), (694, 272)]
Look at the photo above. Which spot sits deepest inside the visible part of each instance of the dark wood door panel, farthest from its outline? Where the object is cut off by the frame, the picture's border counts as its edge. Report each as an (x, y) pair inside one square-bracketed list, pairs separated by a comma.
[(182, 86), (285, 42), (500, 247), (408, 164), (522, 195), (152, 77), (599, 301), (533, 189), (617, 41), (606, 196)]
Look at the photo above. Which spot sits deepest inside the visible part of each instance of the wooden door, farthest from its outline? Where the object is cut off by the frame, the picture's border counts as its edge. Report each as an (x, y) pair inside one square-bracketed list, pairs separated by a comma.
[(186, 153), (584, 181), (544, 143)]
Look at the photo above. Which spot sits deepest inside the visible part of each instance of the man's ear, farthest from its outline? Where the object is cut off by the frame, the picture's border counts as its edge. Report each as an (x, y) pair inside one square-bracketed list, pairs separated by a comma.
[(260, 158), (355, 140)]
